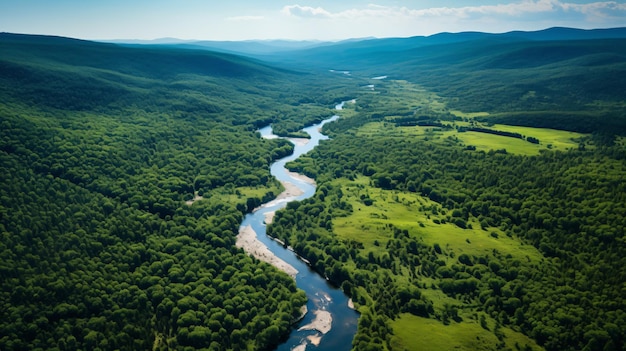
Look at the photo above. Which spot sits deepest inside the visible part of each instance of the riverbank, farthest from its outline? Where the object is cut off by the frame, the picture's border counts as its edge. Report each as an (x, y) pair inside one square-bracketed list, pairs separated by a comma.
[(322, 322), (331, 305), (301, 177), (247, 240), (291, 191), (299, 141)]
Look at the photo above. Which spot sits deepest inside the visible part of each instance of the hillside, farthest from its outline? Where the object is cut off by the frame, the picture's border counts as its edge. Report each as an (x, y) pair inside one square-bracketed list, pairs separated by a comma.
[(125, 174), (524, 78), (453, 233), (470, 197)]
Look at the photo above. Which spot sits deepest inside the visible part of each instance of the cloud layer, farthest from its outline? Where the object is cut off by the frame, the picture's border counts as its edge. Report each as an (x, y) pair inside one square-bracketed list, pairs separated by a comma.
[(597, 10), (300, 19)]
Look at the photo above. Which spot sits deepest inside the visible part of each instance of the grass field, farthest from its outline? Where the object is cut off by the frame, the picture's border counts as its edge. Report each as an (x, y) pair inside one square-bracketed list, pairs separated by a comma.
[(427, 222), (550, 139), (559, 139), (417, 333), (410, 211), (468, 114), (402, 96)]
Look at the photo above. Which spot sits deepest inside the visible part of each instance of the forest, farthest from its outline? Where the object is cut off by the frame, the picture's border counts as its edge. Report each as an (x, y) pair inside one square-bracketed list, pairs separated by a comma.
[(472, 200), (101, 146), (425, 226)]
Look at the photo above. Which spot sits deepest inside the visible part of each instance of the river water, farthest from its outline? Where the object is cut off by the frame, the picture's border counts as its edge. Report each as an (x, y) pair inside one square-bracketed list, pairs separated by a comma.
[(322, 296)]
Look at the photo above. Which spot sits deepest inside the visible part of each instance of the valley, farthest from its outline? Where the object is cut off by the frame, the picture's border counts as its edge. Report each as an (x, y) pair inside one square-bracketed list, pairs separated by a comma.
[(469, 196)]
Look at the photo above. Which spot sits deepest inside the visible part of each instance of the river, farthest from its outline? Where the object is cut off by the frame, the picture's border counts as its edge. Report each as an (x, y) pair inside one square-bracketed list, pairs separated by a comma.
[(322, 296)]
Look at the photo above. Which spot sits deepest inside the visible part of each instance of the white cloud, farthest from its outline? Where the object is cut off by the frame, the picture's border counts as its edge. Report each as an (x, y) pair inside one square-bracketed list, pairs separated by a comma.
[(406, 20), (306, 11), (514, 9), (599, 9)]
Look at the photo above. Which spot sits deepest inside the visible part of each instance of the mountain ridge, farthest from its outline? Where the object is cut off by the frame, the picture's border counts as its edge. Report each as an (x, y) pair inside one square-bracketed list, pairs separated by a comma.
[(266, 48)]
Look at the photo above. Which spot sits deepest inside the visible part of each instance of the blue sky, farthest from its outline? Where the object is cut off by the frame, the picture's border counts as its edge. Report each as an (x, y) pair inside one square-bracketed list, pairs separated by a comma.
[(297, 19)]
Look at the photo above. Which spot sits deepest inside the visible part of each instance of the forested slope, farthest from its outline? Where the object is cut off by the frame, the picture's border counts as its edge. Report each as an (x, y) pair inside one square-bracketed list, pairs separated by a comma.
[(100, 148), (125, 172), (556, 78), (569, 85), (429, 235)]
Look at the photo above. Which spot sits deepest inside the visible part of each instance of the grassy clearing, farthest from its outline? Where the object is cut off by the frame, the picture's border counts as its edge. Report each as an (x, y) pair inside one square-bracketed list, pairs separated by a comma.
[(413, 212), (417, 333), (389, 130), (239, 195), (401, 96), (550, 139), (410, 211), (348, 110), (559, 139), (476, 241), (414, 96), (367, 224), (486, 142)]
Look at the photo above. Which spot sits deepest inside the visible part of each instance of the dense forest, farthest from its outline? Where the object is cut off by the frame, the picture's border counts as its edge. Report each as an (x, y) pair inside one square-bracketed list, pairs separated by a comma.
[(101, 146), (472, 200)]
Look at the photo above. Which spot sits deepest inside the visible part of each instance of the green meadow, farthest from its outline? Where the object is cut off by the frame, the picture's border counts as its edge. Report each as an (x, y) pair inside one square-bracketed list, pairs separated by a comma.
[(398, 97), (418, 333), (416, 214)]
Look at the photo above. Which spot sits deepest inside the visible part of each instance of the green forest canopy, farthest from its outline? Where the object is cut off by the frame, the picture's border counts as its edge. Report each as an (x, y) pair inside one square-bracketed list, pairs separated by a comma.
[(101, 145), (423, 225)]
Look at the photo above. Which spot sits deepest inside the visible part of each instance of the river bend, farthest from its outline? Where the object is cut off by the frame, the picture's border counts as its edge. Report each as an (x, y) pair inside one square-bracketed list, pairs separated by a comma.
[(322, 296)]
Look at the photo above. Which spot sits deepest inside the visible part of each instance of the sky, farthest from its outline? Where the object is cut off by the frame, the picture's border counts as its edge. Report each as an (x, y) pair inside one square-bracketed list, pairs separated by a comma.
[(297, 19)]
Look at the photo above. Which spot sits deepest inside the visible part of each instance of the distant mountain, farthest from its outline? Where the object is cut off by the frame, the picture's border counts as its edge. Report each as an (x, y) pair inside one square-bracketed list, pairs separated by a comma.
[(561, 33), (146, 61), (76, 74), (255, 46), (553, 69), (244, 47), (268, 47), (158, 41), (556, 69), (351, 53)]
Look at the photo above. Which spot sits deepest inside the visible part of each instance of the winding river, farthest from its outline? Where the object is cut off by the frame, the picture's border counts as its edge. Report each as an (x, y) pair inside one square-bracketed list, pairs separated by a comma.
[(322, 296)]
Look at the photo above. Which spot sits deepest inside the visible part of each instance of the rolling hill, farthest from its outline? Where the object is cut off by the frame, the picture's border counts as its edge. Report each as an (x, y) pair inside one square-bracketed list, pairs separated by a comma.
[(125, 171), (578, 75)]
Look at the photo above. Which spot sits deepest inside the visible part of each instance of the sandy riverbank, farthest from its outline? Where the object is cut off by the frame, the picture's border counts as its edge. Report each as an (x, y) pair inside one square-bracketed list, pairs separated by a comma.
[(301, 347), (322, 322), (301, 177), (299, 141), (248, 241), (314, 339), (269, 217), (291, 190)]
